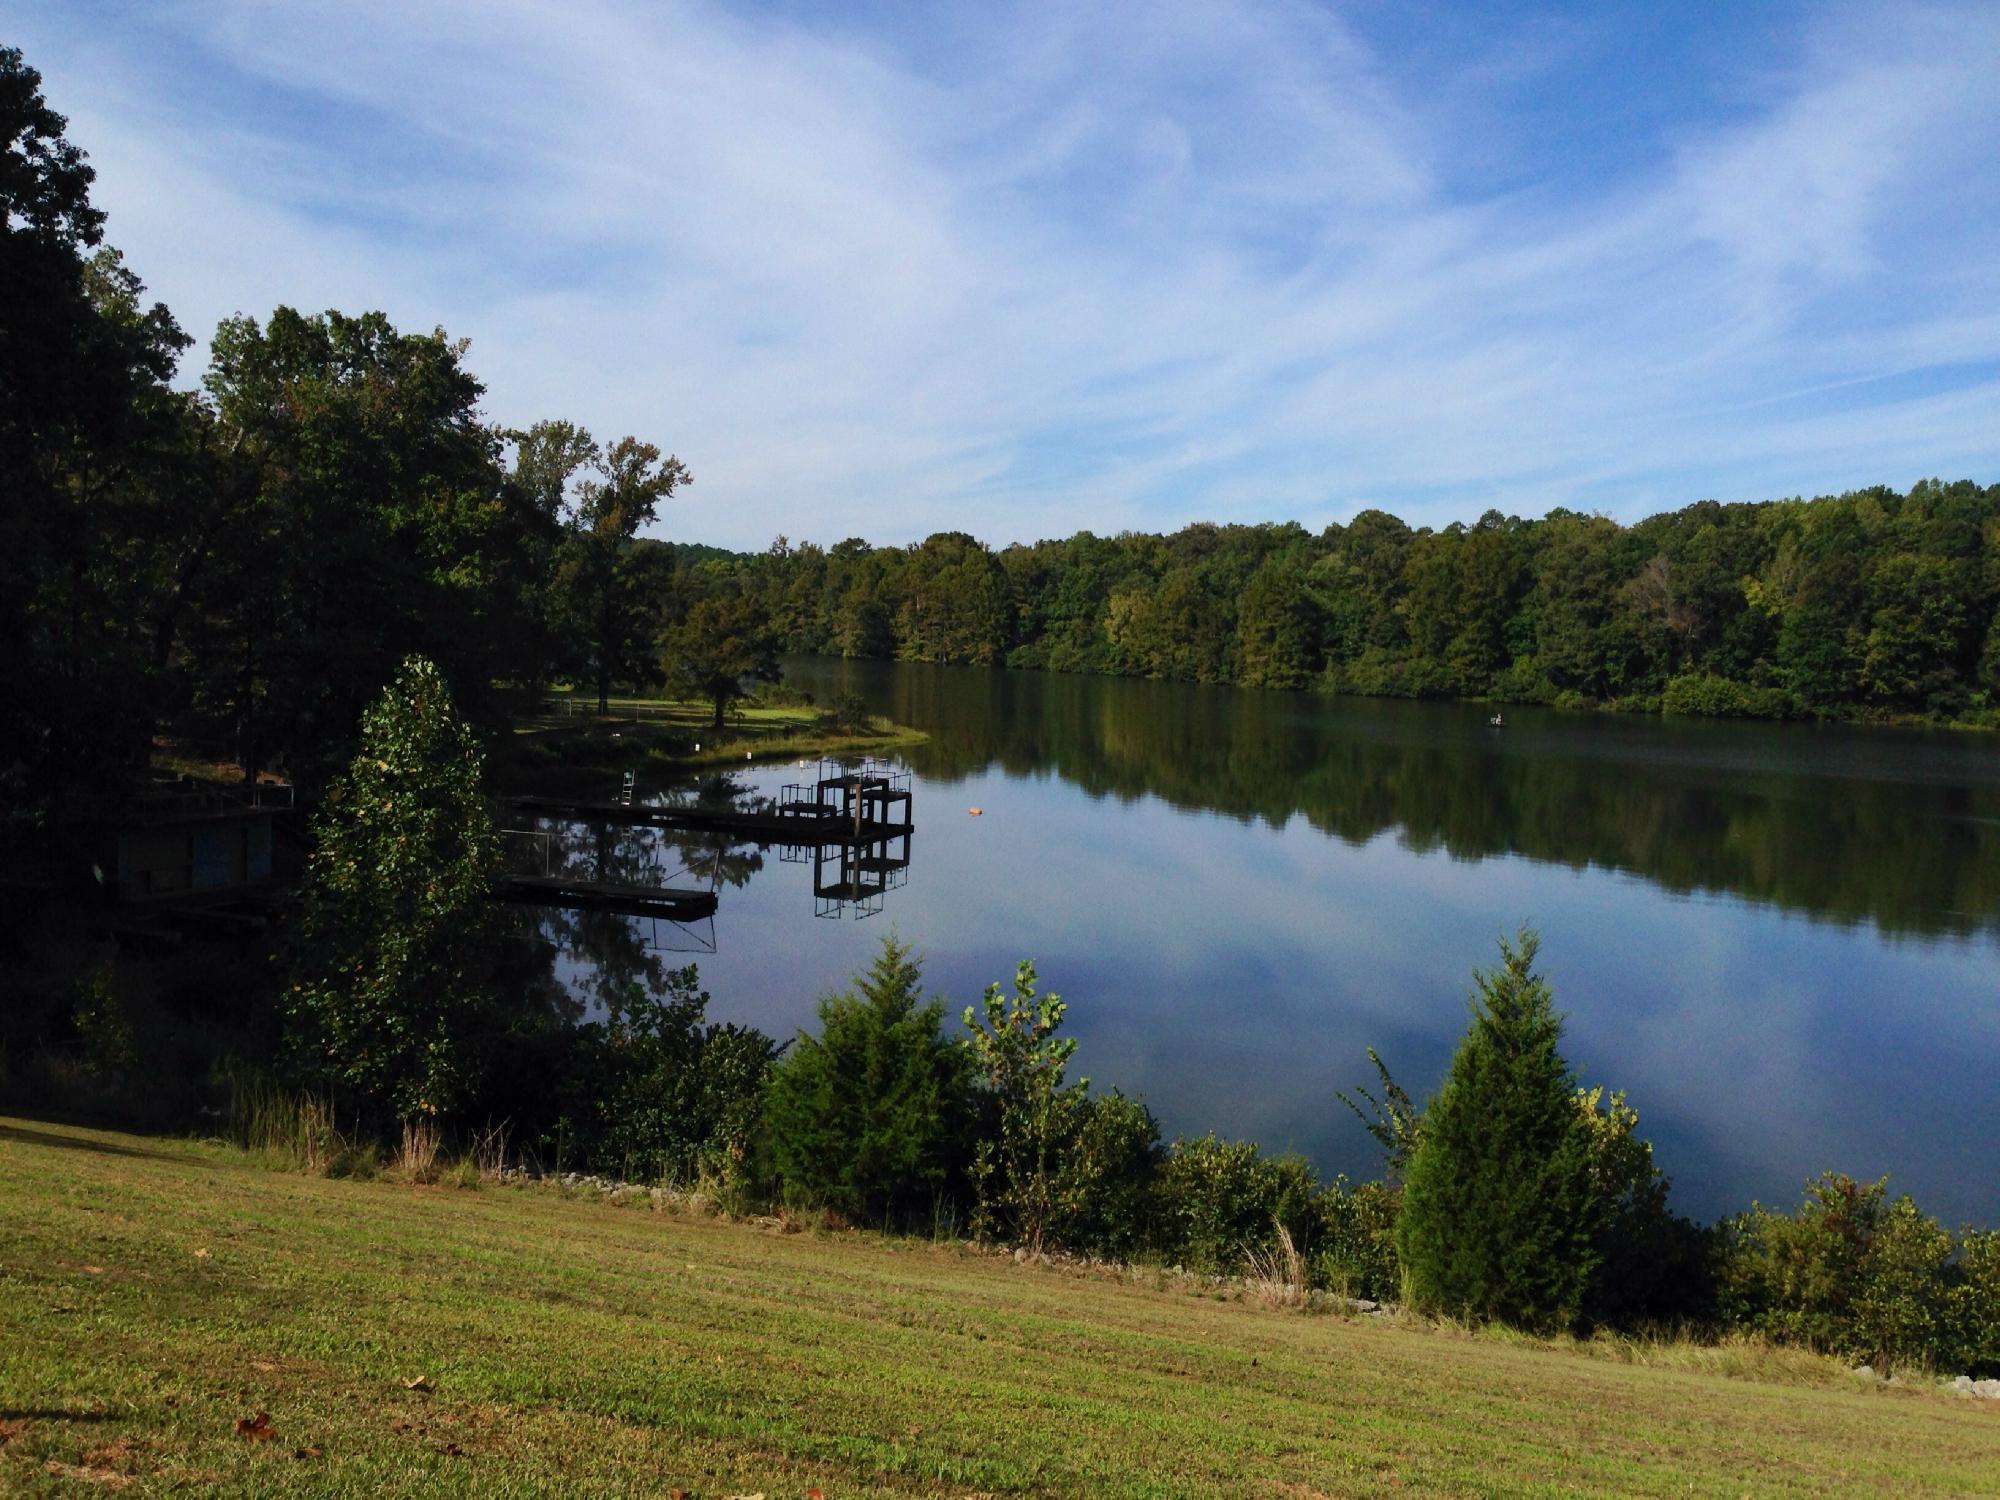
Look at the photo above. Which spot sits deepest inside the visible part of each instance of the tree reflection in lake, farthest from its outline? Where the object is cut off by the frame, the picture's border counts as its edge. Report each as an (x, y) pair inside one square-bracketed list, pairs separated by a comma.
[(1897, 827), (607, 956)]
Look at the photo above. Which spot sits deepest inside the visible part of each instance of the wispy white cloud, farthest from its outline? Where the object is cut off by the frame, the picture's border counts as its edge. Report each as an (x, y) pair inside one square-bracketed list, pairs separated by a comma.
[(1025, 270)]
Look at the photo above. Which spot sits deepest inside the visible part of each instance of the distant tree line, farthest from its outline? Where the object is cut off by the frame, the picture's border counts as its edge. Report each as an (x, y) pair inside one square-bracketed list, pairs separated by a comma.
[(1871, 604)]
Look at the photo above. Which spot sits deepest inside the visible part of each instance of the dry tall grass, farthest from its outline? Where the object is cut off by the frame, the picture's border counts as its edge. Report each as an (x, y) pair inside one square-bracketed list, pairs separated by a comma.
[(299, 1131), (1277, 1274), (489, 1153), (417, 1158)]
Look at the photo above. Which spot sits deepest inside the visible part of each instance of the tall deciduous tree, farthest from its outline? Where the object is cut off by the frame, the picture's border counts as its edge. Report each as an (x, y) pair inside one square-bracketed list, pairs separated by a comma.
[(84, 414), (375, 522), (632, 479), (725, 641), (398, 970), (1502, 1206)]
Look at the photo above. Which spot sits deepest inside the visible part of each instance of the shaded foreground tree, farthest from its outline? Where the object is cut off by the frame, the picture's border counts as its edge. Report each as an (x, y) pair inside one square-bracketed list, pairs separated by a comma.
[(869, 1116), (1501, 1207), (88, 424), (398, 970)]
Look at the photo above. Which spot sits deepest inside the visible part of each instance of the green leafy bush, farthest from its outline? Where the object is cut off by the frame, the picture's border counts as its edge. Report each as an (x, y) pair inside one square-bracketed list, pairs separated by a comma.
[(1653, 1267), (1113, 1164), (1355, 1254), (1706, 695), (677, 1099), (1220, 1200), (870, 1116), (1857, 1274), (1022, 1177), (849, 712), (1975, 1304)]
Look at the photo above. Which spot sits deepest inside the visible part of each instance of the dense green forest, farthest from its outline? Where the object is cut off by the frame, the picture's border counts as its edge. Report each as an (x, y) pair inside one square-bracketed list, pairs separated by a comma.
[(239, 568), (1873, 604)]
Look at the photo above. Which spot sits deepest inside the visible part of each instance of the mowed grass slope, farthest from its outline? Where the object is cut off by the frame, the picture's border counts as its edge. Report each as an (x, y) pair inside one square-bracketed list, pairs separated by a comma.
[(153, 1293)]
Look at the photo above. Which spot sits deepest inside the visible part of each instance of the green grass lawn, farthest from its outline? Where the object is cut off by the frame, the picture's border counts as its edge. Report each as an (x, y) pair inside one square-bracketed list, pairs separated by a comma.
[(155, 1292), (662, 732)]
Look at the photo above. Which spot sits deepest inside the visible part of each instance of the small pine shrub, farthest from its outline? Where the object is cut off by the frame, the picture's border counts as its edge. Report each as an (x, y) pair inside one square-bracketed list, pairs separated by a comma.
[(869, 1117), (1500, 1210)]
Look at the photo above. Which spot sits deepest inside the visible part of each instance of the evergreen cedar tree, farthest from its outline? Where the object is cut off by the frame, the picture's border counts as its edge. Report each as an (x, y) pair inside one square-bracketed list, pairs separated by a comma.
[(1500, 1208), (866, 1117), (397, 974)]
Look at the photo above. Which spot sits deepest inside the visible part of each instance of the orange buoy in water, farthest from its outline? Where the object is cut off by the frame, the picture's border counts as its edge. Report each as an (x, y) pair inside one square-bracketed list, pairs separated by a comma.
[(974, 811)]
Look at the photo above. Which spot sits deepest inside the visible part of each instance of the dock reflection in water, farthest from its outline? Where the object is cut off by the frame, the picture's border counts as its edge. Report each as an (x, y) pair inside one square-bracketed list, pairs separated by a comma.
[(640, 875)]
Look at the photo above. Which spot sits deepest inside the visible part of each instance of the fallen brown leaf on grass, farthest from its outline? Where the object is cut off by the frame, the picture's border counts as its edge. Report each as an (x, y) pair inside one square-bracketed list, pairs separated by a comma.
[(312, 1451), (418, 1383), (202, 1253), (257, 1428), (94, 1270)]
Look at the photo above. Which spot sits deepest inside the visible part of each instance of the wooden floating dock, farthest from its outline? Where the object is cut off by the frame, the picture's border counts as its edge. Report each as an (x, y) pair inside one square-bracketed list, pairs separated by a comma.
[(601, 895), (800, 823)]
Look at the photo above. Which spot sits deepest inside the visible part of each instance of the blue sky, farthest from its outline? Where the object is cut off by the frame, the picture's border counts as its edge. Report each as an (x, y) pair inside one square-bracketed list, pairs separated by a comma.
[(885, 269)]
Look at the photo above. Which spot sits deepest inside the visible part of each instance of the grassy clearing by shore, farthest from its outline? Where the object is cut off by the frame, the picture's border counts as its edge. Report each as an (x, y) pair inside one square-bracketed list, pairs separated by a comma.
[(663, 733), (154, 1294)]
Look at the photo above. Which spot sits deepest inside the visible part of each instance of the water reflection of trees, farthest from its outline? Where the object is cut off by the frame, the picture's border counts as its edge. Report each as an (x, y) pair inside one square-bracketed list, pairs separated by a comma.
[(1898, 828), (614, 956)]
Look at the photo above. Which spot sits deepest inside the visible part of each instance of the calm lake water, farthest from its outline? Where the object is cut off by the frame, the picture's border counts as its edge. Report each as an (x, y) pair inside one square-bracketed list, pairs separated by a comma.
[(1781, 940)]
